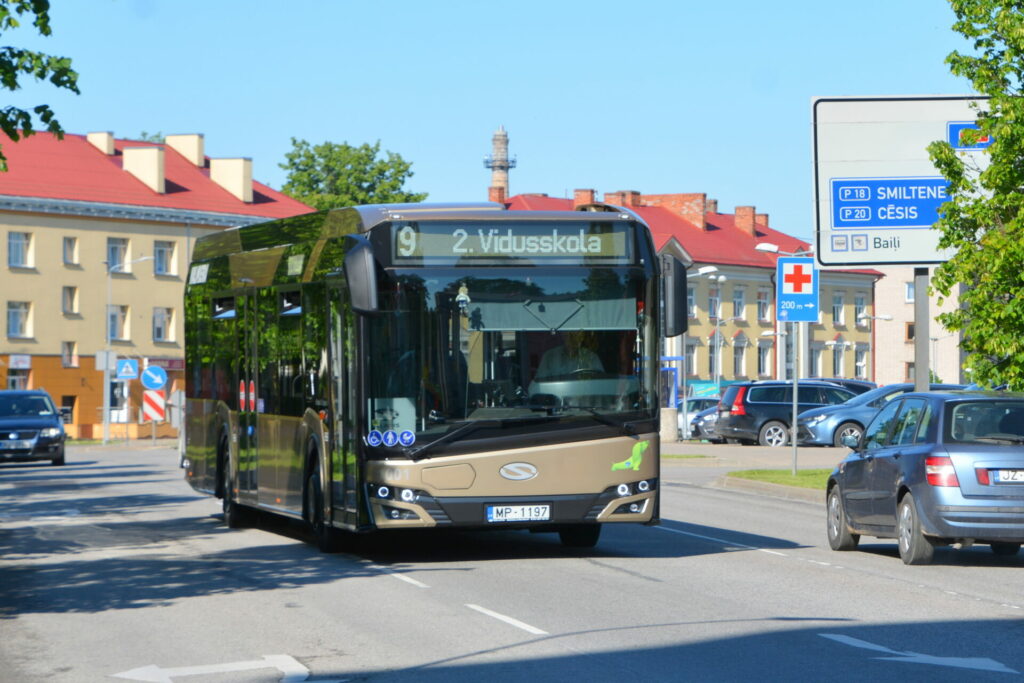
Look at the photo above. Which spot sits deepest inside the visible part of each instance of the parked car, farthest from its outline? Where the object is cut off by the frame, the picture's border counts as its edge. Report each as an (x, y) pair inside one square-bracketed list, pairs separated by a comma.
[(857, 386), (828, 425), (703, 425), (762, 412), (30, 427), (933, 469), (694, 405)]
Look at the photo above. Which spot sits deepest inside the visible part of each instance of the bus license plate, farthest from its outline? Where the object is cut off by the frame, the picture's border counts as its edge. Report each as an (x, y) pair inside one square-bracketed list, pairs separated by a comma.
[(518, 513), (1010, 476)]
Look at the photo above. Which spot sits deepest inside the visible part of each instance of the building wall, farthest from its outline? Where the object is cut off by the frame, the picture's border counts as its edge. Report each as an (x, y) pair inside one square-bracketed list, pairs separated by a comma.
[(76, 380)]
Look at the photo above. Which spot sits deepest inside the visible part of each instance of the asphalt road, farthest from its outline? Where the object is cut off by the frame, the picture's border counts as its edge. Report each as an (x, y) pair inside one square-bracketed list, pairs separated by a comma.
[(112, 566)]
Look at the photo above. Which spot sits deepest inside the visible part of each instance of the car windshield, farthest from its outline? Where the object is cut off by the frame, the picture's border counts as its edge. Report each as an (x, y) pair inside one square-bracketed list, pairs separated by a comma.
[(24, 406), (985, 422)]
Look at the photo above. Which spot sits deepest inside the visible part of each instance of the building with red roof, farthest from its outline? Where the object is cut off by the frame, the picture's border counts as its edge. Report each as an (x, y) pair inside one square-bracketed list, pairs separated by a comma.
[(97, 237), (733, 332)]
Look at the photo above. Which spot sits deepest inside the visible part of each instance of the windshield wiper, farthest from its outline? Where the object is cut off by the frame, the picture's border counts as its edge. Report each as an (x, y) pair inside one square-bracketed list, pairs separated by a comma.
[(466, 428), (628, 428)]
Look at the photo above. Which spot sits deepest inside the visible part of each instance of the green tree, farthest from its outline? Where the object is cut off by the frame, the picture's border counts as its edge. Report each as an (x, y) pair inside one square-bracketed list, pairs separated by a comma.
[(983, 221), (329, 175), (15, 62)]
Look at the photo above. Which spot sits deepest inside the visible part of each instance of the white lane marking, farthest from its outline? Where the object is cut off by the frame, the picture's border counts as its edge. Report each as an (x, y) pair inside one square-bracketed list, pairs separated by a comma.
[(293, 671), (508, 620), (407, 579), (733, 544), (977, 663)]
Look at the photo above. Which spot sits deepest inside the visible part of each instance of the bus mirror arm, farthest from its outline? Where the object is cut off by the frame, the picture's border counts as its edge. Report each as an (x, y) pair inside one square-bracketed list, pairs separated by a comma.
[(361, 274)]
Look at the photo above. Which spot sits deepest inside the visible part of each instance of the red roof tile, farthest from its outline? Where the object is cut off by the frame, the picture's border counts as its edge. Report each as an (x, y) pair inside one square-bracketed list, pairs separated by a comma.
[(73, 169)]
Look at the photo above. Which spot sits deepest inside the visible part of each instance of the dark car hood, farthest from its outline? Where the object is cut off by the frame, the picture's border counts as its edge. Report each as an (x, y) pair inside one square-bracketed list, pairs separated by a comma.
[(28, 422)]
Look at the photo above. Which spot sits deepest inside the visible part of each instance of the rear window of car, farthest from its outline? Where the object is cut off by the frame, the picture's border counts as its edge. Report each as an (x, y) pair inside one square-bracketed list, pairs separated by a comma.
[(730, 395), (985, 421), (832, 396)]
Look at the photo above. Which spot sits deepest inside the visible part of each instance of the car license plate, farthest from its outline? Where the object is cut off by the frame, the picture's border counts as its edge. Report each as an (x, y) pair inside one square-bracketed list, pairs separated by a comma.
[(1010, 476), (15, 445), (518, 513)]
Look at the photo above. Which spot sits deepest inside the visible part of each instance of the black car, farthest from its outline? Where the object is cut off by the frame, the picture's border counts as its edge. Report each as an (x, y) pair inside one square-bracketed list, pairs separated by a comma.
[(857, 386), (934, 469), (30, 427), (762, 412)]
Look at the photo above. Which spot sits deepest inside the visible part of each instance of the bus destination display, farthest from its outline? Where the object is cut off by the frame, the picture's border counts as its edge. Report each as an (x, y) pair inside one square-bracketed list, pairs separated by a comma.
[(447, 243)]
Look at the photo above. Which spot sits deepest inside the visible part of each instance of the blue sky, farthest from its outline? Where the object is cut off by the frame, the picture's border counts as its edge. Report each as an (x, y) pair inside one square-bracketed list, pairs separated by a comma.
[(659, 97)]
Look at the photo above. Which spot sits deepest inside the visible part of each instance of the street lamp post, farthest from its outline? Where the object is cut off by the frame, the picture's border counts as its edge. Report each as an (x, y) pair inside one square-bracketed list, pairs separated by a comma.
[(111, 268), (702, 272), (861, 318)]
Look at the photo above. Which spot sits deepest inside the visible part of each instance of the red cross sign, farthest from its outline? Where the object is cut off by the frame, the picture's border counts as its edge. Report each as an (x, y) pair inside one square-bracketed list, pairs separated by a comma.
[(796, 289), (795, 280)]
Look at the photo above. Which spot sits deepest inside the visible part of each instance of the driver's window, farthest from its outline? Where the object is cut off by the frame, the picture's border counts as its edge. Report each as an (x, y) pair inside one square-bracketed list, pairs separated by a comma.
[(881, 427)]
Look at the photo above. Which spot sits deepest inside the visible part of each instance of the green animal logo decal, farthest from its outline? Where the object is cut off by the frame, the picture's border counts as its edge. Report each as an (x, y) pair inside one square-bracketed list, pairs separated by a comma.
[(633, 463)]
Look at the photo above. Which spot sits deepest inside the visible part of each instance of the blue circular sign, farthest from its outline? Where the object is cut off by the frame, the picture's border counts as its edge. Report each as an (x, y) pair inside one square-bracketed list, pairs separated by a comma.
[(407, 438), (374, 438), (390, 438), (154, 377)]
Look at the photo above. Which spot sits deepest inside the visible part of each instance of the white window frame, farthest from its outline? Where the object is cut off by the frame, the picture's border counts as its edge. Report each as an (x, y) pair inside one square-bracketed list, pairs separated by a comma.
[(739, 360), (117, 323), (908, 292), (19, 319), (764, 306), (163, 258), (19, 249), (860, 308), (860, 363), (691, 302), (69, 354), (117, 255), (163, 324), (837, 360), (838, 301), (70, 251), (764, 360), (69, 299), (739, 302), (714, 303)]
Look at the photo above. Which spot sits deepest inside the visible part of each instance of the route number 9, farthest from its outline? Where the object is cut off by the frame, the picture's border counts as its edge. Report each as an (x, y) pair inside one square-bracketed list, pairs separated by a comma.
[(407, 241)]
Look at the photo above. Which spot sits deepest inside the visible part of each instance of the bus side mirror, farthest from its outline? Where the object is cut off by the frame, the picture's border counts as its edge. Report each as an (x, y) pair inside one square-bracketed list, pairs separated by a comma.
[(674, 291), (361, 274)]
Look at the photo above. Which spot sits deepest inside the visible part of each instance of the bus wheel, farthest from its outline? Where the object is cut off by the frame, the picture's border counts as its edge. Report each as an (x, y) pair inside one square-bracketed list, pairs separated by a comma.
[(327, 538), (580, 535), (234, 514)]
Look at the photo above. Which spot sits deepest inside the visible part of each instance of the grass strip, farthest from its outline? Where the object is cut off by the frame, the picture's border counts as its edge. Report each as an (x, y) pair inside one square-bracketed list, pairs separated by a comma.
[(808, 479)]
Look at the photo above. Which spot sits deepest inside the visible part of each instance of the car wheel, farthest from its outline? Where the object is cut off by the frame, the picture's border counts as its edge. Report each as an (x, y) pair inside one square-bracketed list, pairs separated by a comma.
[(846, 429), (59, 459), (839, 536), (1005, 548), (915, 547), (580, 535), (773, 433)]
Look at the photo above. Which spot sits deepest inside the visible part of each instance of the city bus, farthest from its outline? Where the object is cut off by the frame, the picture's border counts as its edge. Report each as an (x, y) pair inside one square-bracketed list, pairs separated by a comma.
[(430, 366)]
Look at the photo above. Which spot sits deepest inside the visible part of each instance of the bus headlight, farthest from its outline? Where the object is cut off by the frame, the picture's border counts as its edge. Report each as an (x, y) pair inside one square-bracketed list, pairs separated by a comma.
[(623, 490)]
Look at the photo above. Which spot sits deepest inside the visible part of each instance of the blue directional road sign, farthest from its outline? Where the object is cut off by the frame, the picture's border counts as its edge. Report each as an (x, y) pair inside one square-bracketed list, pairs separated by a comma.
[(796, 290), (127, 368), (154, 377)]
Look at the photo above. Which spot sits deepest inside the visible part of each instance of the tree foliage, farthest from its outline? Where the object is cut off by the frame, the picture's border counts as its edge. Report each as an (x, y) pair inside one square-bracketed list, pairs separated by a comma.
[(16, 62), (329, 175), (983, 221)]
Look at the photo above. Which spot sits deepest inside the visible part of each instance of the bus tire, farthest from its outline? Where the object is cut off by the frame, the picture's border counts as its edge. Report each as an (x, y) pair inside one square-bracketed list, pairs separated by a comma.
[(326, 537), (580, 535), (235, 516)]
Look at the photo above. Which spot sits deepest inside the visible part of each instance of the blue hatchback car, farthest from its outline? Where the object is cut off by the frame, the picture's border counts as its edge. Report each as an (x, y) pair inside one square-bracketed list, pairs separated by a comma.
[(934, 469), (827, 425)]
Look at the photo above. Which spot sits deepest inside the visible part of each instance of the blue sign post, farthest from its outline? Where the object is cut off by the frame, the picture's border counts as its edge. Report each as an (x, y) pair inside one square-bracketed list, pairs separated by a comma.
[(796, 290)]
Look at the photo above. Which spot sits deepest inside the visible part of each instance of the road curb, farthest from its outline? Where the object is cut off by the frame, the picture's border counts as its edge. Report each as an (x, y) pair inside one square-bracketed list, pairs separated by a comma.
[(767, 489)]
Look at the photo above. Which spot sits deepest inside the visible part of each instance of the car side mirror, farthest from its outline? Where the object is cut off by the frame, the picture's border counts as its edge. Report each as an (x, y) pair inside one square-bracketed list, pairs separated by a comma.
[(852, 441)]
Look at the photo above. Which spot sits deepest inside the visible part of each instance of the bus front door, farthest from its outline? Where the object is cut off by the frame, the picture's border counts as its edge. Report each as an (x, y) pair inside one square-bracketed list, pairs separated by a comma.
[(341, 362), (245, 311)]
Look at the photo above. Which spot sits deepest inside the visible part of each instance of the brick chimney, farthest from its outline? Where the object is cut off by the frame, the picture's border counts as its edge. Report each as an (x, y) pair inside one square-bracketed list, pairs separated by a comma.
[(496, 193), (711, 206), (583, 197), (745, 219), (615, 198), (691, 206), (146, 164), (104, 141), (234, 175), (189, 146), (761, 219)]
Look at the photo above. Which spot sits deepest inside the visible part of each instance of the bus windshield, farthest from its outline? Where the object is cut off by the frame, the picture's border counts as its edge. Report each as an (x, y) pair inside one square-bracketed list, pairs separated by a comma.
[(461, 345)]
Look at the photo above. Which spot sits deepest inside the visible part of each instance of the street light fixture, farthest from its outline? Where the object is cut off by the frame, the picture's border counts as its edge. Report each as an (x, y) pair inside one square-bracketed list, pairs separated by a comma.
[(111, 268)]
